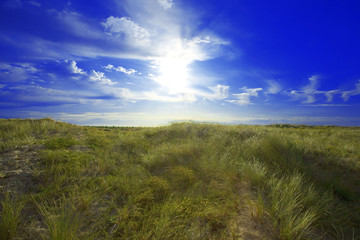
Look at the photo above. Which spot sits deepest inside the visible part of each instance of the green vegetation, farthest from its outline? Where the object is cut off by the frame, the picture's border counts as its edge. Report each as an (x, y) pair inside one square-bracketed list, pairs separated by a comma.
[(183, 181), (10, 217)]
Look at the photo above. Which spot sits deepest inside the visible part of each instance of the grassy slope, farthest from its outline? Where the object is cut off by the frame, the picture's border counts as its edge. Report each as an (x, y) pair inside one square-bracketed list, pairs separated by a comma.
[(184, 181)]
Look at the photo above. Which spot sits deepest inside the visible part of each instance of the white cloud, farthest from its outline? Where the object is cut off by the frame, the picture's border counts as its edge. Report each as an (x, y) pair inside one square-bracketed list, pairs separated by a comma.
[(329, 94), (311, 87), (217, 92), (166, 4), (109, 66), (309, 90), (220, 92), (126, 28), (127, 71), (245, 97), (100, 77), (124, 70), (75, 69), (274, 87), (252, 91), (347, 94)]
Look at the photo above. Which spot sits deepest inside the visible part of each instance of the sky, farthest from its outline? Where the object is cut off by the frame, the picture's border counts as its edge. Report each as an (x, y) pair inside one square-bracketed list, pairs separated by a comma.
[(153, 62)]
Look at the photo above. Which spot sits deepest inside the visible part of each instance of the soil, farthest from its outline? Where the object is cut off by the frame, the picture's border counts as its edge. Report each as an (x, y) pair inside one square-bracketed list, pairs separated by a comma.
[(18, 170)]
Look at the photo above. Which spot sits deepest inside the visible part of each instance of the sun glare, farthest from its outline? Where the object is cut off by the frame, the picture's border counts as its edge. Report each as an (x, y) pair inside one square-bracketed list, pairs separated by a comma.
[(173, 67), (173, 74)]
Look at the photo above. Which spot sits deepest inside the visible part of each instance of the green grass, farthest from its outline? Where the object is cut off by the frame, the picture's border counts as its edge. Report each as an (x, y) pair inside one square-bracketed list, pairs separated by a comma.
[(183, 181), (10, 217), (60, 217)]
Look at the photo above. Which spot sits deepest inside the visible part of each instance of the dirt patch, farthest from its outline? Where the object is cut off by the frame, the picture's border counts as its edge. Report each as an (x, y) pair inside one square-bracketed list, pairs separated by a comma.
[(249, 224), (251, 228), (80, 148), (18, 170)]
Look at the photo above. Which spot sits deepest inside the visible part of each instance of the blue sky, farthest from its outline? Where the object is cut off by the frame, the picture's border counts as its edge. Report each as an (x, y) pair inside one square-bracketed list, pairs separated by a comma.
[(150, 62)]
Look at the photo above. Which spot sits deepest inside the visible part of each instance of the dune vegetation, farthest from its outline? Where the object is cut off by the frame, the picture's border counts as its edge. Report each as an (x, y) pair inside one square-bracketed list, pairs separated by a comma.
[(182, 181)]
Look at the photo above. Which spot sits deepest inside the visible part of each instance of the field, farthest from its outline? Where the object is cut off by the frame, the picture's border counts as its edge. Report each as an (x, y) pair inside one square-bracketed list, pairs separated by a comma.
[(183, 181)]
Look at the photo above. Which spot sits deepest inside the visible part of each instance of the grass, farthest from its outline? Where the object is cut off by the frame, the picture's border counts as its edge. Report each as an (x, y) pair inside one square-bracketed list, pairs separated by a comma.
[(293, 207), (183, 181), (10, 217), (60, 217)]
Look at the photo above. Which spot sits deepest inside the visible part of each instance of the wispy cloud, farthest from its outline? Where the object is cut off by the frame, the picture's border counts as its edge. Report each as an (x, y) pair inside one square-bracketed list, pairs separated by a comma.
[(310, 94), (326, 105), (166, 4), (306, 93), (219, 92), (37, 95), (74, 24), (124, 28), (34, 3), (312, 86), (329, 94), (17, 72), (246, 96), (274, 87), (309, 90), (347, 94)]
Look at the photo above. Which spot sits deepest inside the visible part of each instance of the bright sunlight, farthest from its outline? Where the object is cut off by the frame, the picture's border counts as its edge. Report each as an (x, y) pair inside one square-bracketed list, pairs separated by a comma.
[(173, 74), (173, 66)]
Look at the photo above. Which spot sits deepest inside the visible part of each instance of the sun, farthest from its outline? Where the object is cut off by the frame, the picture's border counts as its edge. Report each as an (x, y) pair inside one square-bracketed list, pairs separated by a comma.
[(173, 74)]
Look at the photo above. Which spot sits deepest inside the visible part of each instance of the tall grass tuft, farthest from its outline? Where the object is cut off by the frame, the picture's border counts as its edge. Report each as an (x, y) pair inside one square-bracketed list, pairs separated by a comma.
[(60, 217), (288, 198), (10, 217)]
